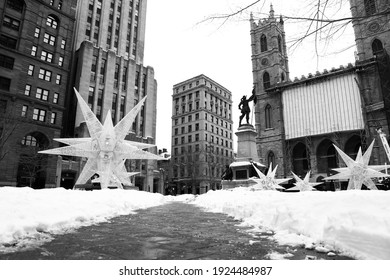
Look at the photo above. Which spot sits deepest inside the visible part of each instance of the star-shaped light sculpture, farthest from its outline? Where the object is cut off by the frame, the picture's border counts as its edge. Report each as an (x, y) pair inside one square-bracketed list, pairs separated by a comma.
[(303, 185), (106, 149), (358, 171), (267, 182)]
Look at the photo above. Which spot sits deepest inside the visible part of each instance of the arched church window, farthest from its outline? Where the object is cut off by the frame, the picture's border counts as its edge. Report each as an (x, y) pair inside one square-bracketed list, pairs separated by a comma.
[(263, 43), (283, 77), (376, 46), (271, 159), (369, 6), (266, 80), (268, 116), (280, 44)]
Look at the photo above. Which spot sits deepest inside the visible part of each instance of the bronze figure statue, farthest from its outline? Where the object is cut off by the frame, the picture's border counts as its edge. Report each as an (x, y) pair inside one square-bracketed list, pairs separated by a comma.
[(244, 106)]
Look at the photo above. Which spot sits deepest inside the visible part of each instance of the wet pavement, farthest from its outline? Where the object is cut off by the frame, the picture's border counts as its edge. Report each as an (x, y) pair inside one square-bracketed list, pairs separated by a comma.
[(174, 231)]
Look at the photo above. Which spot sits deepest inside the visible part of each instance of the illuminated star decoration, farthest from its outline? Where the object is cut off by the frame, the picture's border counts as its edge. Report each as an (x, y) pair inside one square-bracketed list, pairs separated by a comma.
[(303, 185), (106, 149), (267, 182), (358, 171)]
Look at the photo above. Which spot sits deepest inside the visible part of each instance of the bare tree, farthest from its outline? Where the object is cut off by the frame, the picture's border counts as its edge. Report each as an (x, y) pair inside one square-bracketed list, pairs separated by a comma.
[(325, 20), (32, 166), (8, 125)]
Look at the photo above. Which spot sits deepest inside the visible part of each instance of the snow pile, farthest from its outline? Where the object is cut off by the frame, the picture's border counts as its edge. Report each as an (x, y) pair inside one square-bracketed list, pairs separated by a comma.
[(354, 222), (30, 214)]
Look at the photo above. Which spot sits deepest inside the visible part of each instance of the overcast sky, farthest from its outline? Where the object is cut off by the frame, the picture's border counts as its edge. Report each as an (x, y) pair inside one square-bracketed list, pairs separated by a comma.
[(178, 46)]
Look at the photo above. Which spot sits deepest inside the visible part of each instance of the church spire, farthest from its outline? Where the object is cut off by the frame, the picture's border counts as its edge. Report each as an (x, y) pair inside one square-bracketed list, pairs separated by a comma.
[(271, 12)]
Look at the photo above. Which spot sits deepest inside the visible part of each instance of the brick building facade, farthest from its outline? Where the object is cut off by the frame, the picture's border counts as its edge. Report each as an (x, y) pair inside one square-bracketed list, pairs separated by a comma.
[(35, 58)]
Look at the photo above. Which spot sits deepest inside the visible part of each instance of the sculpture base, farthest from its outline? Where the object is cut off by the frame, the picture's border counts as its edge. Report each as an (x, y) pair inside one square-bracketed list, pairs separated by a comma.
[(246, 143)]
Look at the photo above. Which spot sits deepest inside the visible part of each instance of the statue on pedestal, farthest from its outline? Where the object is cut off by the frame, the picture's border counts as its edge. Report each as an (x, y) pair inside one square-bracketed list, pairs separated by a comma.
[(244, 106)]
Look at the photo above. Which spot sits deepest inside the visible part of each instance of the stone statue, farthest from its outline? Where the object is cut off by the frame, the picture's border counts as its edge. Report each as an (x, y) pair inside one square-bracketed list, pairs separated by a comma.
[(244, 106)]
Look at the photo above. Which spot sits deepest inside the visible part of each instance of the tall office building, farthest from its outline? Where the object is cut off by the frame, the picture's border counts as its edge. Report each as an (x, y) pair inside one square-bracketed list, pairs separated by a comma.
[(109, 74), (35, 54), (202, 140)]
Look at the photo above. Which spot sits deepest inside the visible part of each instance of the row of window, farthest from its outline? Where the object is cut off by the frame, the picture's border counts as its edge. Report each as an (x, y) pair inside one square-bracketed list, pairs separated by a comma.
[(57, 3), (42, 94), (39, 114), (214, 109), (190, 171), (44, 74), (264, 44), (213, 139), (207, 117), (216, 130), (211, 149), (206, 83)]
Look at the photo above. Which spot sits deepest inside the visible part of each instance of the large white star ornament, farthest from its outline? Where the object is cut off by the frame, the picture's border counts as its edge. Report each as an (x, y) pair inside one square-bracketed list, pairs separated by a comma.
[(358, 171), (267, 182), (106, 149), (303, 185)]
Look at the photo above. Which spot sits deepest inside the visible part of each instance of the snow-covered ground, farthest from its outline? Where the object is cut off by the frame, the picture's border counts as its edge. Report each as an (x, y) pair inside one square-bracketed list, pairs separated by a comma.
[(354, 222)]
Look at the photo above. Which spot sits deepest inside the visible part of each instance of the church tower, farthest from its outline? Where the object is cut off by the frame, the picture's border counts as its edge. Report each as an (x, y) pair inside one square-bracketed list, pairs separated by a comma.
[(371, 25), (269, 67)]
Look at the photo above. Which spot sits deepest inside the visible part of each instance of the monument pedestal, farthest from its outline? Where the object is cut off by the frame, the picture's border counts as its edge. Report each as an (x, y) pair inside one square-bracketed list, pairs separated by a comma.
[(246, 143), (242, 169)]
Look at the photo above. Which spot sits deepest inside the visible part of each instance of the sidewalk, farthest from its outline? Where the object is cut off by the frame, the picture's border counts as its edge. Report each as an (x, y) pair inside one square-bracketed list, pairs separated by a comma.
[(175, 231)]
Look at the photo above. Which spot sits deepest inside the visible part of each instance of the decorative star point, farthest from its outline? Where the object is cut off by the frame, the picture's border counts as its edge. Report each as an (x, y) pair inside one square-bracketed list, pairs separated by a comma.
[(358, 172), (106, 148)]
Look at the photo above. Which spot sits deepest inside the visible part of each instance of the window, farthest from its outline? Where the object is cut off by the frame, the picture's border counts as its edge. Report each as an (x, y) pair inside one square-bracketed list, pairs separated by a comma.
[(268, 116), (52, 22), (5, 83), (53, 118), (59, 6), (63, 44), (6, 61), (369, 6), (91, 95), (42, 94), (44, 75), (58, 79), (51, 2), (266, 80), (55, 98), (61, 61), (46, 56), (280, 44), (30, 71), (24, 111), (16, 5), (377, 46), (34, 50), (39, 115), (37, 32), (29, 140), (27, 90), (271, 159), (263, 43), (49, 39), (11, 23), (8, 42)]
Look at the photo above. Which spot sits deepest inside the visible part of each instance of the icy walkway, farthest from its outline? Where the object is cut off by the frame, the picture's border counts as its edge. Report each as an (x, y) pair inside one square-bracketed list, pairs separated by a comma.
[(175, 231)]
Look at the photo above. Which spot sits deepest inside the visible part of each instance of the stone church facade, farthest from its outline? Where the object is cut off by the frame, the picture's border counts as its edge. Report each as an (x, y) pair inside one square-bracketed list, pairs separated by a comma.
[(299, 121)]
